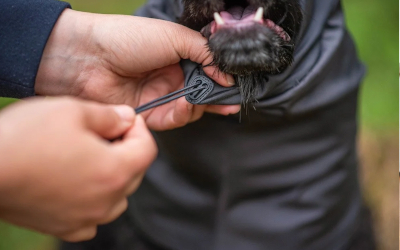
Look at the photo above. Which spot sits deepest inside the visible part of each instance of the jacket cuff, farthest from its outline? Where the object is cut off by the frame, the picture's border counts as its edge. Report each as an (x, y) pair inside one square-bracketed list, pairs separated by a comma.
[(25, 27)]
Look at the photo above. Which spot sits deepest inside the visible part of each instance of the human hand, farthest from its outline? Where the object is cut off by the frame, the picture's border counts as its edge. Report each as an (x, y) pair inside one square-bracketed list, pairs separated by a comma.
[(59, 174), (125, 59)]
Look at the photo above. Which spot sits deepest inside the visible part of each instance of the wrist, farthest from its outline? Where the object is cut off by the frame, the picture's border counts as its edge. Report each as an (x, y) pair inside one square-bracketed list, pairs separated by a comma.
[(65, 54)]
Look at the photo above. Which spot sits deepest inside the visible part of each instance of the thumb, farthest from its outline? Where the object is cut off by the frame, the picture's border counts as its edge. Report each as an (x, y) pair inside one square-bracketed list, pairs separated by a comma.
[(108, 121), (190, 44)]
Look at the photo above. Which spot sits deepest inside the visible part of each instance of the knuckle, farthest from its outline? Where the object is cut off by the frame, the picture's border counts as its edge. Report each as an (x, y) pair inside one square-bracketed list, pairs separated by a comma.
[(98, 214), (115, 213), (180, 119), (135, 184), (110, 174), (147, 158), (153, 151), (91, 234), (63, 229), (80, 235), (118, 183)]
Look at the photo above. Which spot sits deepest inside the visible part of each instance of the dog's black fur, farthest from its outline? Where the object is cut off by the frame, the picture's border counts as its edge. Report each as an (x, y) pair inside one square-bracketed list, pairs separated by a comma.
[(252, 53)]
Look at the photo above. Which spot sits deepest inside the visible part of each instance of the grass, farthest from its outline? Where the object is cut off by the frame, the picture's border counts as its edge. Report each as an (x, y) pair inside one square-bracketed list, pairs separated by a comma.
[(374, 25), (14, 238)]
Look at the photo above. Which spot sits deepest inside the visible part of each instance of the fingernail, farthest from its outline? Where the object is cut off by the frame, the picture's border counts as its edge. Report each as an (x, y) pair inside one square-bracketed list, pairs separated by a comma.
[(230, 79), (125, 112)]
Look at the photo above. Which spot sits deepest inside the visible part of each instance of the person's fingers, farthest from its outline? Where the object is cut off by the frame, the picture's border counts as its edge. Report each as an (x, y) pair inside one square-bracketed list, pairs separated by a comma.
[(137, 149), (223, 79), (182, 113), (107, 121), (172, 115), (134, 185), (81, 234), (223, 109), (115, 211), (198, 111), (191, 45)]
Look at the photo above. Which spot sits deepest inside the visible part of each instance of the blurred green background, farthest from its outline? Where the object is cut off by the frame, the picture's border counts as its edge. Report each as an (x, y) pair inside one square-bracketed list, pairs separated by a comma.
[(374, 25)]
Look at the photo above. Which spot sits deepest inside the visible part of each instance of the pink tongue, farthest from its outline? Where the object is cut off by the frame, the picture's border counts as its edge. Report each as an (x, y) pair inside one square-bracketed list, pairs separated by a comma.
[(231, 19), (238, 14), (239, 17)]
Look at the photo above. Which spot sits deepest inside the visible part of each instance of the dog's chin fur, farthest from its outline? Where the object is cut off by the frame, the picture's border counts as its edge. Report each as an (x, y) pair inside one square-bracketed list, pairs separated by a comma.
[(252, 52), (252, 49), (250, 57)]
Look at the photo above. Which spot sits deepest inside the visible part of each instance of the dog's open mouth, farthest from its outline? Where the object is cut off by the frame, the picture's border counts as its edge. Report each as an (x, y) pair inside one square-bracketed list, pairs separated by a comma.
[(245, 40), (249, 39), (242, 17)]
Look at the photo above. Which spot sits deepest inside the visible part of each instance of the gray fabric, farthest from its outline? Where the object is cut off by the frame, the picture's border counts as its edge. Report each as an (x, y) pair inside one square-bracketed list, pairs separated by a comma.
[(282, 176)]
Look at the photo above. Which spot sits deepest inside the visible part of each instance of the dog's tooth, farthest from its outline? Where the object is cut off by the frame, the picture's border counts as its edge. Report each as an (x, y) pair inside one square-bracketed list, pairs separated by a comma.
[(218, 19), (259, 15)]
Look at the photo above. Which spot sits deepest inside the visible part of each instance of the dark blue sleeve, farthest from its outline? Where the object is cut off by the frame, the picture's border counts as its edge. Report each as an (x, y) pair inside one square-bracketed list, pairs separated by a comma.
[(25, 27)]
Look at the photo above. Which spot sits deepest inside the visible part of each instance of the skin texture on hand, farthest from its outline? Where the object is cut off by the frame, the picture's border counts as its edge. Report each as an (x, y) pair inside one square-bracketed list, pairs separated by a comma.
[(126, 60), (59, 174)]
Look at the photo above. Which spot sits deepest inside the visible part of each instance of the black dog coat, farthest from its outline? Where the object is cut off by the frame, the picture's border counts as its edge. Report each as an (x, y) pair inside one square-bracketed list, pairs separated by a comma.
[(284, 177)]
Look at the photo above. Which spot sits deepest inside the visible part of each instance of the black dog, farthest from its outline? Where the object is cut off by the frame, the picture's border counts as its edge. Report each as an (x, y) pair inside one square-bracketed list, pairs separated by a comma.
[(249, 39)]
